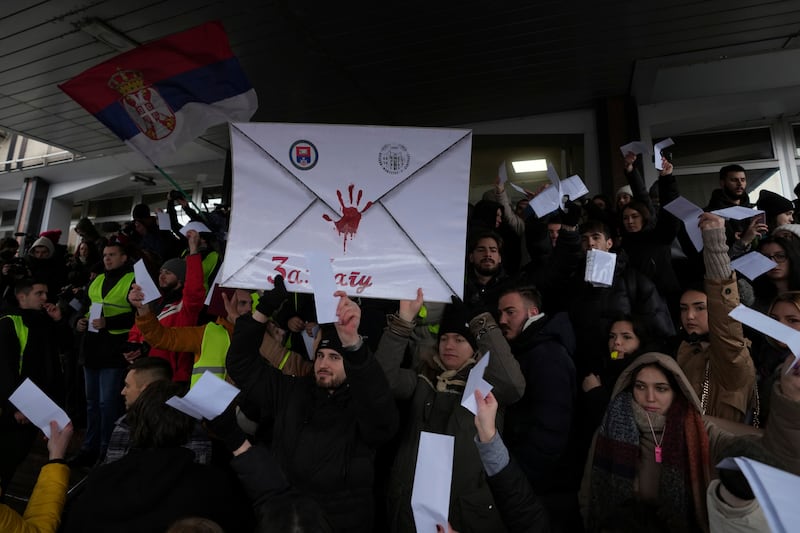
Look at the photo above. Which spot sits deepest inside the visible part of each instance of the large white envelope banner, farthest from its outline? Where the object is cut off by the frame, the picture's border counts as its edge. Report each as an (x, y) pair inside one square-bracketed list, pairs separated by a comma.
[(388, 205)]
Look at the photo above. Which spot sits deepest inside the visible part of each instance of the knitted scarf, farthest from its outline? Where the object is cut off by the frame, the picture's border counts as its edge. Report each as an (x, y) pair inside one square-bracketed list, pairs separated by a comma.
[(684, 468), (444, 380)]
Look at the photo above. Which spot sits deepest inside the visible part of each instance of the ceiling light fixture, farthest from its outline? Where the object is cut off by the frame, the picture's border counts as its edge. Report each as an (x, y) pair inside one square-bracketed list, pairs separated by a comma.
[(529, 165), (107, 35), (140, 178)]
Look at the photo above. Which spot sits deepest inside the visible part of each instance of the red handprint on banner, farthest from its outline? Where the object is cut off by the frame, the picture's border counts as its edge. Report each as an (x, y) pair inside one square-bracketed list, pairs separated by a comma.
[(347, 225)]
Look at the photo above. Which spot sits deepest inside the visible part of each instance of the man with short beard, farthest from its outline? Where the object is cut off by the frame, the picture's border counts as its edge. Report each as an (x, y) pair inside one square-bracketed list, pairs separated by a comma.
[(485, 275), (732, 191), (326, 427)]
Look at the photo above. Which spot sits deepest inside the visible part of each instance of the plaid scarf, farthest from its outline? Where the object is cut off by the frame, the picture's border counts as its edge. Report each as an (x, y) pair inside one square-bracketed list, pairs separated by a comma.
[(684, 468)]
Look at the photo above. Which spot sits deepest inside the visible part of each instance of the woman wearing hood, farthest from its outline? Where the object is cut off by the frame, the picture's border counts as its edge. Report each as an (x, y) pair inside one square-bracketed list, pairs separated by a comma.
[(652, 448), (434, 387)]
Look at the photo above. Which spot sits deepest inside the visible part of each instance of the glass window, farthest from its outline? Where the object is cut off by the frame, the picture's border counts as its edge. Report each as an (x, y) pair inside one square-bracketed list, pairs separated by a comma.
[(721, 147), (9, 217)]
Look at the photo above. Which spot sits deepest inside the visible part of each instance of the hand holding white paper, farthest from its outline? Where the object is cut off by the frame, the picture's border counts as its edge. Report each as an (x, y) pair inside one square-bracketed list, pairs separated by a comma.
[(689, 214), (475, 382), (769, 327), (37, 407), (208, 398), (637, 147), (95, 312), (146, 283), (658, 147), (430, 496), (776, 491), (199, 227), (502, 173)]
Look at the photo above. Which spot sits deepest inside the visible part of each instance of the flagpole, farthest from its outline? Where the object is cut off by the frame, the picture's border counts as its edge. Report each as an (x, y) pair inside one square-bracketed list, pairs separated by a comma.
[(178, 187)]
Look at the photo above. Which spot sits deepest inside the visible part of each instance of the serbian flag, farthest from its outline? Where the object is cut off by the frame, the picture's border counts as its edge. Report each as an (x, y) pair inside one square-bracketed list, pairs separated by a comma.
[(166, 93)]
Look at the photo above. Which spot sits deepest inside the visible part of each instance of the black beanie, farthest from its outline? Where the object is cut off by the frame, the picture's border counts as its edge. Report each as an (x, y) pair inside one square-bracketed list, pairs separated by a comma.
[(773, 204), (455, 320), (330, 339)]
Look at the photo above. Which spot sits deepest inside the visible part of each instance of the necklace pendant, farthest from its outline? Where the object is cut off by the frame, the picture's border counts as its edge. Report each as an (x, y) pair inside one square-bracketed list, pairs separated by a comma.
[(658, 454)]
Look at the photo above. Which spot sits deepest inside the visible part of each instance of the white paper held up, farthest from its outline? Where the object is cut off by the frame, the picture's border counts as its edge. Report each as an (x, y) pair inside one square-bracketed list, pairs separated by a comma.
[(37, 407), (322, 279), (213, 285), (502, 173), (164, 223), (208, 398), (146, 283), (753, 264), (518, 188), (769, 327), (637, 147), (475, 382), (430, 496), (776, 491), (689, 214), (658, 147), (737, 212), (199, 227), (600, 267)]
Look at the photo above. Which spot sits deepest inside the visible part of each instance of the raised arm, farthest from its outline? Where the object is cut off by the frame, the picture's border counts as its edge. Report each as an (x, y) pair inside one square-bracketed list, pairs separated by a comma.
[(186, 339), (731, 364), (375, 408), (392, 348)]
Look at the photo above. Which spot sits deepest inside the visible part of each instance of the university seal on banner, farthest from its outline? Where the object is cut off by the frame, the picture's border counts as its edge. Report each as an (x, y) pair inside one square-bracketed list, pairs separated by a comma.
[(148, 110), (393, 158), (303, 155)]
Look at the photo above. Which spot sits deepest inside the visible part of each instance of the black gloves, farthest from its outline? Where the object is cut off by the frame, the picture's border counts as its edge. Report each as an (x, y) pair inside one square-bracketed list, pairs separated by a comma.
[(271, 301)]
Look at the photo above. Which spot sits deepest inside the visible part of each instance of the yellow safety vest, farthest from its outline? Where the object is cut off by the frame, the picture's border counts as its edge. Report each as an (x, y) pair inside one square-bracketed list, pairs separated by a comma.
[(22, 335), (116, 301), (209, 263), (213, 351)]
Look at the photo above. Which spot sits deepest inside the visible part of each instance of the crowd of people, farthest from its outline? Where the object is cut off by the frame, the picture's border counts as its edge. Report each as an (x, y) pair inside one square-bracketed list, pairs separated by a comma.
[(611, 404)]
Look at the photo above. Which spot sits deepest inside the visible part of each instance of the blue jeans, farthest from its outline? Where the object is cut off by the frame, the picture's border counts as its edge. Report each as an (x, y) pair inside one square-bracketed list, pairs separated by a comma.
[(103, 405)]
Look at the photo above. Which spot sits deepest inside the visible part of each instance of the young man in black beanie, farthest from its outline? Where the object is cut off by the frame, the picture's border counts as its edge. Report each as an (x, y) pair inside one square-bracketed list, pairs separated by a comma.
[(328, 427)]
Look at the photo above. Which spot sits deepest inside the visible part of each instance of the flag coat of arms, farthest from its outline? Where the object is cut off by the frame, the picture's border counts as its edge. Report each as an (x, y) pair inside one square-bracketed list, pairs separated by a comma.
[(166, 93)]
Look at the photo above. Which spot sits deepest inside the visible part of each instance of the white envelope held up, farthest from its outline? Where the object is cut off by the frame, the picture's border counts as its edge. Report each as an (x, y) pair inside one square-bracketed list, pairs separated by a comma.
[(689, 214), (658, 147), (208, 398), (475, 382), (199, 227), (430, 496), (753, 264), (367, 196), (769, 327), (775, 490), (37, 406)]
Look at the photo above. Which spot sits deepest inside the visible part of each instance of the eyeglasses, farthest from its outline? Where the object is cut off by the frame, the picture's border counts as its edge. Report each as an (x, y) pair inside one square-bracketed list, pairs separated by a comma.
[(778, 257)]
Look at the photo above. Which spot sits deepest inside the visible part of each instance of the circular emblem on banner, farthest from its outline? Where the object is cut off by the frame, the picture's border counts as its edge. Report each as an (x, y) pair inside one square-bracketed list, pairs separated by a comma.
[(303, 155), (394, 158)]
